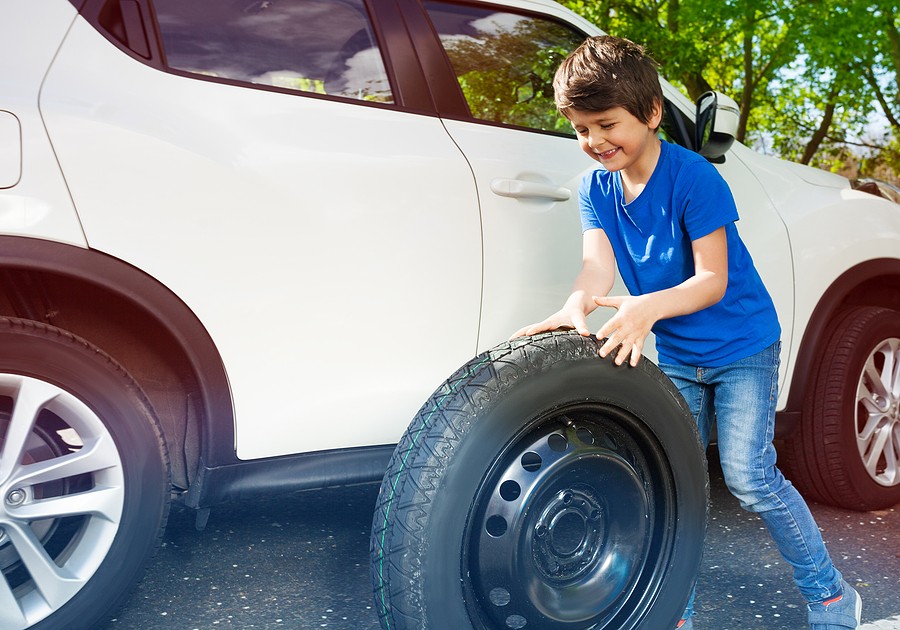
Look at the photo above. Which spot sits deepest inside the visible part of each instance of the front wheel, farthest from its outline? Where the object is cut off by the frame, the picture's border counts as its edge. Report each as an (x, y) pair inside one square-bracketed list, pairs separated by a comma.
[(846, 451), (542, 487), (84, 480)]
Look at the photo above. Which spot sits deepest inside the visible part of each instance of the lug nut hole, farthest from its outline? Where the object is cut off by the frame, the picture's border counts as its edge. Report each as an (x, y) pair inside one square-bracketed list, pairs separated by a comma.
[(558, 442), (496, 526), (531, 461), (510, 490)]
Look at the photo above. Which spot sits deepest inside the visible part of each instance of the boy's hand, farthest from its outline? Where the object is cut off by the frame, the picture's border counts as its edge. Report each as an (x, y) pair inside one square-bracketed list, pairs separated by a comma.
[(561, 320), (628, 328)]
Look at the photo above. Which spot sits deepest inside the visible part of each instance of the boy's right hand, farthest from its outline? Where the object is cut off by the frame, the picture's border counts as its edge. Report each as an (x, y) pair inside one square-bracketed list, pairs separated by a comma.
[(573, 319)]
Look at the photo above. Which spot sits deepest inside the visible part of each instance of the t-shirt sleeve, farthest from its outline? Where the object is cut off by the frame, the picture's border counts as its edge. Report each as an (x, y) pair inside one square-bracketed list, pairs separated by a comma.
[(589, 217), (707, 202)]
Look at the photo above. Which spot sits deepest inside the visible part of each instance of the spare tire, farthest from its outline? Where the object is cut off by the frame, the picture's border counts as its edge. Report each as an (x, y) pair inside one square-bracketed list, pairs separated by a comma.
[(542, 487)]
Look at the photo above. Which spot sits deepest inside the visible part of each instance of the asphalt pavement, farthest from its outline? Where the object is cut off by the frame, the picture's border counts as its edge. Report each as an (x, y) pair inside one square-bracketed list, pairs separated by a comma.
[(300, 561)]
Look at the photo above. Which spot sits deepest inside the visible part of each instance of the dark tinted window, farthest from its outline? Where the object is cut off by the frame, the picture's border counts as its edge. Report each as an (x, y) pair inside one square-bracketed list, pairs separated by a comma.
[(505, 62), (320, 46)]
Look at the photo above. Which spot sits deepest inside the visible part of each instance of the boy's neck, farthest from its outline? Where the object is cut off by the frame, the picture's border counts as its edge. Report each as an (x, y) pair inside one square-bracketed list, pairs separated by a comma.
[(636, 176)]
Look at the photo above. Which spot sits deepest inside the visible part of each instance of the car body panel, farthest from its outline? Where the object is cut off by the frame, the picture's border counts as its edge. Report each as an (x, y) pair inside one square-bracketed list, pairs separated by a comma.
[(766, 237), (832, 227), (316, 255), (36, 203)]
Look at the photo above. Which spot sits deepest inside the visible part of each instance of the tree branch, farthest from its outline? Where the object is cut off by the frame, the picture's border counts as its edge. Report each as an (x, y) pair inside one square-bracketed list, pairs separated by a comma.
[(869, 76), (822, 132)]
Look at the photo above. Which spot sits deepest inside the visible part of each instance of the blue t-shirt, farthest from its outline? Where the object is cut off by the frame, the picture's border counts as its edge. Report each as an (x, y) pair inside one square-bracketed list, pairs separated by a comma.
[(685, 199)]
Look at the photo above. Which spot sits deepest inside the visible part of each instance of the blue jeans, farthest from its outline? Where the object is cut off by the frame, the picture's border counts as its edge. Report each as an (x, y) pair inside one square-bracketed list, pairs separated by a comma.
[(741, 399)]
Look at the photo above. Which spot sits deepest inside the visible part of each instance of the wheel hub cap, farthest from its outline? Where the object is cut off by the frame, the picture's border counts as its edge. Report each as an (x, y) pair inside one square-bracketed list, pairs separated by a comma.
[(878, 413), (569, 534)]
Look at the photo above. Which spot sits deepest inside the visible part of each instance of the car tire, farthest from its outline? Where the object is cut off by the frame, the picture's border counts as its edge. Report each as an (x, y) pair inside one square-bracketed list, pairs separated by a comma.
[(84, 474), (846, 449), (542, 487)]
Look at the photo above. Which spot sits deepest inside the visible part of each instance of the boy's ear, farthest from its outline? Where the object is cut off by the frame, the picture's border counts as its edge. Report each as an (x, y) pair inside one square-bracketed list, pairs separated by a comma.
[(656, 116)]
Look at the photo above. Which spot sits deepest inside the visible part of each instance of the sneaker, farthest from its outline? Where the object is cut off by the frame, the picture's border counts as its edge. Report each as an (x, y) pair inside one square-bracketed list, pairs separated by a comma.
[(685, 624), (837, 613)]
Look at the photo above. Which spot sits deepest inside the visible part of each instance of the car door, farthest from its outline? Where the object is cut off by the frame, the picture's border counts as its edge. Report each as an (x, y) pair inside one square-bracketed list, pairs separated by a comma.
[(325, 231)]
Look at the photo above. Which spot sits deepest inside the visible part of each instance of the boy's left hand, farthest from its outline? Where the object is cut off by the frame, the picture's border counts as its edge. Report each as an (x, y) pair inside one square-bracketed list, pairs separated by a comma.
[(628, 328)]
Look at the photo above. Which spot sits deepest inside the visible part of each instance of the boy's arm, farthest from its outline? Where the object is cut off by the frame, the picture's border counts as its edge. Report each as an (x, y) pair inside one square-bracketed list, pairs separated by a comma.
[(629, 327), (596, 277)]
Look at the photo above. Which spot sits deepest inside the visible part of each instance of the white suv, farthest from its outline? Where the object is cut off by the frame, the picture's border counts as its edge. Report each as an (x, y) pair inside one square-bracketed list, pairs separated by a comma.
[(242, 241)]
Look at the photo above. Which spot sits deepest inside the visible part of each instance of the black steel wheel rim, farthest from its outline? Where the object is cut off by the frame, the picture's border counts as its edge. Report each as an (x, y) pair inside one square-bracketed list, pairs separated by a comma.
[(573, 524)]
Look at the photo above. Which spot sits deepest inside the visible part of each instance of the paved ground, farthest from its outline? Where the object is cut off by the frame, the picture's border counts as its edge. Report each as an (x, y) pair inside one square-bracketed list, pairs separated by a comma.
[(301, 562), (745, 584)]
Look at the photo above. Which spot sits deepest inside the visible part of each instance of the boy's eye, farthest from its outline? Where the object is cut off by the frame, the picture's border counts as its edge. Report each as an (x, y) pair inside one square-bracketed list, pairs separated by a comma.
[(608, 126)]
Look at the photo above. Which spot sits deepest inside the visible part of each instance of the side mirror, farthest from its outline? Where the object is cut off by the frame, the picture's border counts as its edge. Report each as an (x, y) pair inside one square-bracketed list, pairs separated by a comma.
[(716, 125)]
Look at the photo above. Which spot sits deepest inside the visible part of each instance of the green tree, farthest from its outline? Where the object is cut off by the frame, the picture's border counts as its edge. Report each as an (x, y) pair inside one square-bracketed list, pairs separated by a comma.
[(735, 46), (822, 104), (809, 74)]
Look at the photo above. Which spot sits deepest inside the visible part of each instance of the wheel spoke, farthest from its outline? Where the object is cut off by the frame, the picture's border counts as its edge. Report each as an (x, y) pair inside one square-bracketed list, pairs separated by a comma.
[(891, 474), (31, 398), (875, 420), (875, 449), (892, 368), (103, 502), (99, 454), (11, 615), (871, 385), (894, 462), (56, 585)]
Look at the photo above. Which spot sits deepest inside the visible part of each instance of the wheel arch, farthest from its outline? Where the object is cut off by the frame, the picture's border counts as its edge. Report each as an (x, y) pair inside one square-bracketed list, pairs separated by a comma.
[(144, 326), (871, 283)]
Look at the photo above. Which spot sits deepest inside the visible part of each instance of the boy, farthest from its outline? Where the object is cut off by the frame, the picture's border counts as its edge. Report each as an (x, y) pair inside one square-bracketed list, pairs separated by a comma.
[(666, 217)]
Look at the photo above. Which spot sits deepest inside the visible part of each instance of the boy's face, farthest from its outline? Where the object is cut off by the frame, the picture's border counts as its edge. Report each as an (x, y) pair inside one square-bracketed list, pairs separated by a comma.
[(616, 138)]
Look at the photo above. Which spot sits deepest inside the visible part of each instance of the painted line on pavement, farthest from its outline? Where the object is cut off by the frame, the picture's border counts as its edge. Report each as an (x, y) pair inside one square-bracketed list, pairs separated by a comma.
[(883, 624)]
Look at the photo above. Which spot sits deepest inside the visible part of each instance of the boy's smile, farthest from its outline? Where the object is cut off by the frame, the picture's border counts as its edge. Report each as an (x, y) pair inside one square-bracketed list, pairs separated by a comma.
[(618, 140)]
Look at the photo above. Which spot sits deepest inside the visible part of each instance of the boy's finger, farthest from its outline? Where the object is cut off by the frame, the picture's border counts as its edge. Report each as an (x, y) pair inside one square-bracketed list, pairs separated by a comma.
[(604, 350), (606, 330), (614, 302), (625, 349), (635, 354), (525, 332), (518, 333), (581, 327), (609, 345)]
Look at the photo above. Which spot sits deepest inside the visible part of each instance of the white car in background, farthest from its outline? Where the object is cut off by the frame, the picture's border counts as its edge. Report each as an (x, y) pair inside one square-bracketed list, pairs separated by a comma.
[(242, 241)]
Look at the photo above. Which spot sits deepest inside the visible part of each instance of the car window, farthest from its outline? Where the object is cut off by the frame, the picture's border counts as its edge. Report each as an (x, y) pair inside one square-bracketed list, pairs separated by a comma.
[(318, 46), (676, 127), (505, 62)]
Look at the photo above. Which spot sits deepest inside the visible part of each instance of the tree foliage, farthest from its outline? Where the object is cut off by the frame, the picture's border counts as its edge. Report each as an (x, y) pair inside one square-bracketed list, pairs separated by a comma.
[(816, 79), (506, 72)]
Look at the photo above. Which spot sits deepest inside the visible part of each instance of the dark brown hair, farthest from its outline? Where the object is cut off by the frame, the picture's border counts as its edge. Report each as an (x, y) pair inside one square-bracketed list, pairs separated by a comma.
[(606, 72)]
